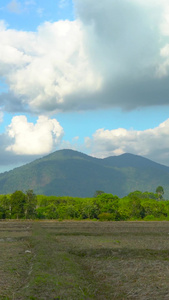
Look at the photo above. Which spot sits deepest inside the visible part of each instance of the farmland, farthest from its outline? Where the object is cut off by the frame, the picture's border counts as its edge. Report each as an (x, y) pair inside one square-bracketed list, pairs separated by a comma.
[(84, 260)]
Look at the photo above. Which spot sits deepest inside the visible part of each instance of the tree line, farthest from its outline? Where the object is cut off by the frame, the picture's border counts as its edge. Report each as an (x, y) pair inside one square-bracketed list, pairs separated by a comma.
[(102, 206)]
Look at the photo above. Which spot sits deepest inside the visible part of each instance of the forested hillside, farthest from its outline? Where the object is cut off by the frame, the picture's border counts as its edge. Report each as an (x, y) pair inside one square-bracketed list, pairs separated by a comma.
[(71, 173)]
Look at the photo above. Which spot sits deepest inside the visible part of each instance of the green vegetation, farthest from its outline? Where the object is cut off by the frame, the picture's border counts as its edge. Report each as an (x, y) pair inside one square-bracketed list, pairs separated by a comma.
[(71, 173), (103, 207), (18, 205), (160, 191)]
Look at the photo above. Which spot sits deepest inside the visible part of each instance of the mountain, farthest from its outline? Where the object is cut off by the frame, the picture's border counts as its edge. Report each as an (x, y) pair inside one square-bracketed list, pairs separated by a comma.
[(72, 173)]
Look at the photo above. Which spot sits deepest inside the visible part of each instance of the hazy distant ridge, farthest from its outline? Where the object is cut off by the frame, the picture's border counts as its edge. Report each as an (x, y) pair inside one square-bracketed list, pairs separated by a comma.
[(72, 173)]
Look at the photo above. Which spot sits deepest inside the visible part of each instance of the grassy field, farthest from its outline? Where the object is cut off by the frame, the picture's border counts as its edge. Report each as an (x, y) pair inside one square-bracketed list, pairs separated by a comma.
[(84, 260)]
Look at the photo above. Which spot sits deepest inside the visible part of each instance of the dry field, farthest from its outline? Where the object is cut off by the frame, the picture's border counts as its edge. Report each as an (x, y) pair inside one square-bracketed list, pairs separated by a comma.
[(84, 260)]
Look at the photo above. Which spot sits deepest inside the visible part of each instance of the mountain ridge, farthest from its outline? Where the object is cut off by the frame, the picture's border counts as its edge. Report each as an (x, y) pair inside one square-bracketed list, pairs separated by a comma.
[(71, 173)]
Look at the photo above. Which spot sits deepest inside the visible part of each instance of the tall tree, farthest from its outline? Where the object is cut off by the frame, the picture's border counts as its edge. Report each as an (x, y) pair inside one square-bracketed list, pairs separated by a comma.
[(30, 205), (18, 201), (6, 205), (160, 191)]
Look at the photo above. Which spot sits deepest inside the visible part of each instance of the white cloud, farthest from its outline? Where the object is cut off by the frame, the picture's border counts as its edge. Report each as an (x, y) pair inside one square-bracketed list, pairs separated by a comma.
[(113, 54), (43, 68), (1, 116), (3, 25), (151, 143), (14, 7), (76, 138), (34, 139), (124, 40)]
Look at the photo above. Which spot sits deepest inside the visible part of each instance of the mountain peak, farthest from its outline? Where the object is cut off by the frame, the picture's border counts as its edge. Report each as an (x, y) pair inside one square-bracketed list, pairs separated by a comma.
[(66, 154), (71, 173)]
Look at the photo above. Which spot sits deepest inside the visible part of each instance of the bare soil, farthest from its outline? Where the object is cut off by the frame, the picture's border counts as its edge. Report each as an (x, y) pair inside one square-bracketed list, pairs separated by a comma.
[(84, 260)]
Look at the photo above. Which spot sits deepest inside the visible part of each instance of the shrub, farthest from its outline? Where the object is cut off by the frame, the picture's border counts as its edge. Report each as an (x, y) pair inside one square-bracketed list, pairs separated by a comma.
[(106, 217)]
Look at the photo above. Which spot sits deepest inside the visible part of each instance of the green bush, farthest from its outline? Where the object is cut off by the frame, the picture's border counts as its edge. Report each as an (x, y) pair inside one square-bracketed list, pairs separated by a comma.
[(149, 218), (106, 217)]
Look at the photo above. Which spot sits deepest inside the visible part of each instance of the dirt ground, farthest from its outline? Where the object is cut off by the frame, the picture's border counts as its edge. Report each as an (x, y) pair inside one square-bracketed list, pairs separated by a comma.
[(84, 260)]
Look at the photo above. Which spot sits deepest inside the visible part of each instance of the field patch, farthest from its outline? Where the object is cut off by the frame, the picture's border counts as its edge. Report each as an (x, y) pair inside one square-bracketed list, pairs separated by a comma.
[(84, 260)]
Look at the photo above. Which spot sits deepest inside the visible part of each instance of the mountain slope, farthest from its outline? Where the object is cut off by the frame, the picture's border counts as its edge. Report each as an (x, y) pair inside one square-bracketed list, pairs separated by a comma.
[(68, 172), (132, 160)]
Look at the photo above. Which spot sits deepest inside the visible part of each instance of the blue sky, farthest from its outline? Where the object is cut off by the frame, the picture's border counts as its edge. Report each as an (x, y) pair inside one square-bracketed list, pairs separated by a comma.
[(28, 15), (90, 76)]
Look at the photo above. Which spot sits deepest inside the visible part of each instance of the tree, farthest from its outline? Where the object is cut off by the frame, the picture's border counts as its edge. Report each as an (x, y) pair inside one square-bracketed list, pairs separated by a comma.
[(72, 212), (51, 211), (137, 210), (108, 203), (2, 213), (90, 211), (5, 204), (18, 201), (98, 193), (160, 191), (30, 205), (154, 208)]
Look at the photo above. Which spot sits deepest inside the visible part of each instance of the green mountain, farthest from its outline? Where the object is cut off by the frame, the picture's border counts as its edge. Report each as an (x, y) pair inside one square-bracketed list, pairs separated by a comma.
[(71, 173)]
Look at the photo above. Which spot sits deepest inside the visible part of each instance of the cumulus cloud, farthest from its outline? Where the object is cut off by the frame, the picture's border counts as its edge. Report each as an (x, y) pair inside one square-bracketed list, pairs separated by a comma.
[(34, 139), (8, 159), (124, 41), (151, 143), (43, 68), (116, 53)]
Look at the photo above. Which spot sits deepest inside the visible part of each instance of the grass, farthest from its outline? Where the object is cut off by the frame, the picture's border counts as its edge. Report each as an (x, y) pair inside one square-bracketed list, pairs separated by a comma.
[(84, 260)]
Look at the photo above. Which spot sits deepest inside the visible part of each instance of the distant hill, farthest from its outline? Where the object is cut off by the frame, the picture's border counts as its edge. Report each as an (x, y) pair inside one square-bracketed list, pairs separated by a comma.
[(72, 173)]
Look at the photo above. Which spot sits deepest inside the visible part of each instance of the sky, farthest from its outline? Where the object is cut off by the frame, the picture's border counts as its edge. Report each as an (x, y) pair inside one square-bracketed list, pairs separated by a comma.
[(92, 76)]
